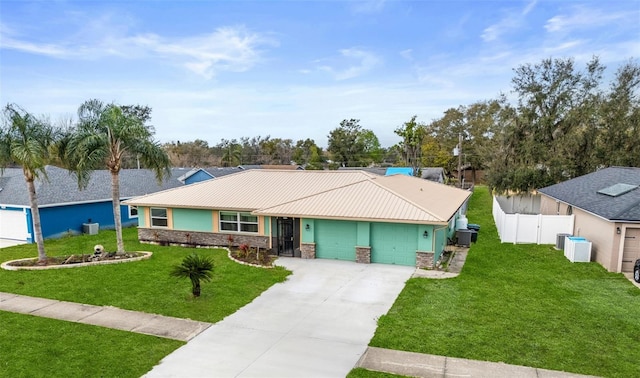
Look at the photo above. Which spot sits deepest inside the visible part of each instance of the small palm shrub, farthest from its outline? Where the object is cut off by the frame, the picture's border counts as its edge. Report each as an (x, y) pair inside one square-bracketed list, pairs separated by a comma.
[(196, 268)]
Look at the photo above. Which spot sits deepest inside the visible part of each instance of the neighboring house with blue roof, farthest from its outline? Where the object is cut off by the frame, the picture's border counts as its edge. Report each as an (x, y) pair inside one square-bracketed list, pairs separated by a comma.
[(64, 208), (427, 173), (606, 206), (407, 171)]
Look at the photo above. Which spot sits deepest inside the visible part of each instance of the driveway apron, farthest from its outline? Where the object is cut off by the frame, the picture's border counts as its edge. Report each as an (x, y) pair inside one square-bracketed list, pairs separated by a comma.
[(316, 324)]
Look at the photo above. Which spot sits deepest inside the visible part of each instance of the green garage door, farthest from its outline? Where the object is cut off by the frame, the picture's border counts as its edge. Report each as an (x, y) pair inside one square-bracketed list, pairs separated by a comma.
[(335, 240), (393, 243)]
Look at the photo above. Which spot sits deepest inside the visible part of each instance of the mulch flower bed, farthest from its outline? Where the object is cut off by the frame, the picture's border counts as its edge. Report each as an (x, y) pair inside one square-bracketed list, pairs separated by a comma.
[(76, 259), (250, 256), (79, 260)]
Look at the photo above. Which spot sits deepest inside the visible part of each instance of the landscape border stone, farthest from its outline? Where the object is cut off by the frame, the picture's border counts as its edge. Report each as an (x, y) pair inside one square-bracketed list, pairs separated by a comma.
[(6, 265)]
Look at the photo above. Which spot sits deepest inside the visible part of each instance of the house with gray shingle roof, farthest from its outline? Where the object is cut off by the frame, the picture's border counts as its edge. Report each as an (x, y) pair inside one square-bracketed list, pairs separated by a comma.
[(64, 208), (606, 206)]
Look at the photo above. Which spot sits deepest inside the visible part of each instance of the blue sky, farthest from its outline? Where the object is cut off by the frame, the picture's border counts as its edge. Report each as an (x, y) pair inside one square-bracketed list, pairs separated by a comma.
[(292, 69)]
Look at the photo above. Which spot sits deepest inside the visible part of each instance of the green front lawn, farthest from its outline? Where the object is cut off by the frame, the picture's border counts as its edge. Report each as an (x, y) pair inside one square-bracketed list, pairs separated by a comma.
[(520, 304), (142, 286), (39, 347)]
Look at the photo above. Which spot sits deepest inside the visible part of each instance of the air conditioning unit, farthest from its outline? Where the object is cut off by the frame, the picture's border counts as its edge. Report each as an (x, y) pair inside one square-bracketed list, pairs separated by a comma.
[(560, 241), (90, 228)]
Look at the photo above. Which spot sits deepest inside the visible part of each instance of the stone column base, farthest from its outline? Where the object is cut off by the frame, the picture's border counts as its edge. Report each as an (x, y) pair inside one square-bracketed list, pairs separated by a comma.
[(308, 250), (363, 255), (425, 260)]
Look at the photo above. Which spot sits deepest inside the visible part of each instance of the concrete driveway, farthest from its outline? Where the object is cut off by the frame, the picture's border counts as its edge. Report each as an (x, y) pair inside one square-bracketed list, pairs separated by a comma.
[(316, 324), (10, 242)]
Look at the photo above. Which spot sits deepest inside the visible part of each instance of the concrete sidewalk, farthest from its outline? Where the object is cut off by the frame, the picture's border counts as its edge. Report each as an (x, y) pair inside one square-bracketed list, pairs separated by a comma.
[(427, 366), (104, 316)]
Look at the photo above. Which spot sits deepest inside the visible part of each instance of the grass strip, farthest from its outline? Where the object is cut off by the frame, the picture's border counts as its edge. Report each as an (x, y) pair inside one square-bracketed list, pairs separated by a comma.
[(39, 347)]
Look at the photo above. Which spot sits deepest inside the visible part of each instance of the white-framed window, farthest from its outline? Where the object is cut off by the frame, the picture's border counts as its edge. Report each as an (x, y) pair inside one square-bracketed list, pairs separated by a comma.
[(238, 222), (159, 217), (133, 211)]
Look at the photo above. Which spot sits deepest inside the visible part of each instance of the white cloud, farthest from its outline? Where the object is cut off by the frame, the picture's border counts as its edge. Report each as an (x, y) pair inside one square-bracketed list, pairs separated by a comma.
[(581, 18), (407, 54), (365, 61), (225, 49), (511, 20)]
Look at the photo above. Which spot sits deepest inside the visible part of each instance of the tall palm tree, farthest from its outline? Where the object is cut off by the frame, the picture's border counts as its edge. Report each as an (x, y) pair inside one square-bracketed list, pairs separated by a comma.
[(196, 268), (26, 140), (105, 133)]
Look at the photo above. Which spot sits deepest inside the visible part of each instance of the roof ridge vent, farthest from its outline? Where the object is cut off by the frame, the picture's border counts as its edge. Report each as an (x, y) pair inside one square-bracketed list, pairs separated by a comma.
[(617, 189)]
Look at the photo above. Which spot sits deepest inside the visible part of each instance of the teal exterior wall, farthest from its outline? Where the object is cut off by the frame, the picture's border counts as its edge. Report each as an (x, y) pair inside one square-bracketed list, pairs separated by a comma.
[(307, 236), (193, 220), (267, 225), (425, 244), (440, 241), (142, 219), (451, 232), (363, 234)]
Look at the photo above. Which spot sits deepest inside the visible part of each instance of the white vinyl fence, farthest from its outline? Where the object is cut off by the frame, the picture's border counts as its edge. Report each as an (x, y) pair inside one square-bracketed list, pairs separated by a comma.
[(530, 228)]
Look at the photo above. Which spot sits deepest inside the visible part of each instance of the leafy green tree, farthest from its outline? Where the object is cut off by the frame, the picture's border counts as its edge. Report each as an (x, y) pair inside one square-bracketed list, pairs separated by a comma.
[(103, 135), (553, 125), (190, 154), (231, 153), (620, 119), (352, 146), (197, 269), (26, 140), (412, 135), (316, 161), (372, 152)]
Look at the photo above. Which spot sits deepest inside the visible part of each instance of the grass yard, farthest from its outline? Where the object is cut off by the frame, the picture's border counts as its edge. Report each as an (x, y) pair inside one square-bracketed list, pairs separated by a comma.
[(143, 285), (41, 347), (520, 304), (364, 373)]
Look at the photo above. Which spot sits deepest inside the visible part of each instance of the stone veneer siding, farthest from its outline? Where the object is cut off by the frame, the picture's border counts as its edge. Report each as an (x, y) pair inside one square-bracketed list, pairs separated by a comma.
[(308, 250), (363, 255), (193, 238), (425, 260)]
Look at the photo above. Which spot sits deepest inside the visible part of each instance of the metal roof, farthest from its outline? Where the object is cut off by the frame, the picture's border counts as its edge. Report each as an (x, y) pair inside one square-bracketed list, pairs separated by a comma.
[(322, 194)]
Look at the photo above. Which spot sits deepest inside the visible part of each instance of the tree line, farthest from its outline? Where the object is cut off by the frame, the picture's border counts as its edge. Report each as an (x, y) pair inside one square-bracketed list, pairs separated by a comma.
[(557, 121), (564, 122), (349, 145)]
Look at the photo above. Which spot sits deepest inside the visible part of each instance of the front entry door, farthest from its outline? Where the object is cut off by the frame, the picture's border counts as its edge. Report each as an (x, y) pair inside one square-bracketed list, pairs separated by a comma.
[(285, 237)]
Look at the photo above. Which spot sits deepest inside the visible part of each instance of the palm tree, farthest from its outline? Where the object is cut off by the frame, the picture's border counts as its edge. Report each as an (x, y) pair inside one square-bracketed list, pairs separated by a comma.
[(26, 140), (103, 136), (196, 268)]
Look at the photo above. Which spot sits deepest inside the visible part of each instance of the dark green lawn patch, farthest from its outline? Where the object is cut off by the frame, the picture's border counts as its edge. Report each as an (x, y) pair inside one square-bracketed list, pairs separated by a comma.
[(39, 347), (520, 304), (364, 373), (143, 285)]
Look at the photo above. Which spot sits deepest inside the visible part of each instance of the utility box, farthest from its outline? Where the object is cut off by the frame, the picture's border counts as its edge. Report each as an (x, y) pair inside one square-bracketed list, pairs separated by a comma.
[(560, 241), (90, 228), (577, 249), (464, 237)]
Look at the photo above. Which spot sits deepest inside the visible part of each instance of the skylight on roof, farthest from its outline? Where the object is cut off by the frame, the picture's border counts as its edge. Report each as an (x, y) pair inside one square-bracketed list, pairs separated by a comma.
[(617, 189)]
